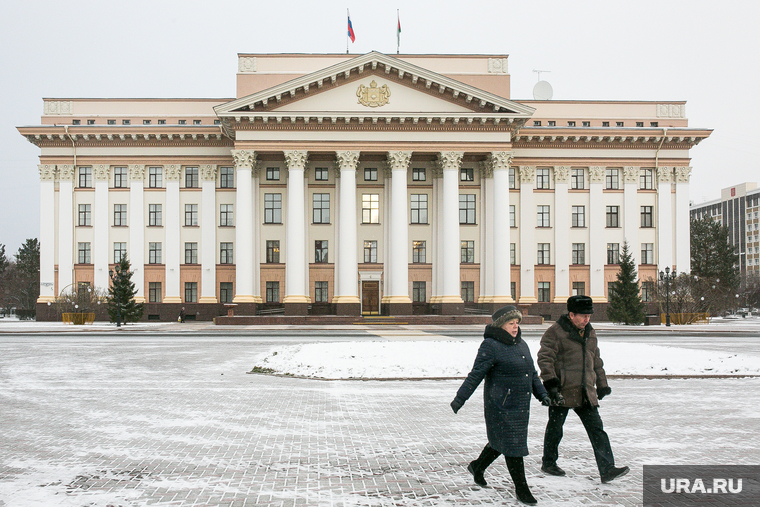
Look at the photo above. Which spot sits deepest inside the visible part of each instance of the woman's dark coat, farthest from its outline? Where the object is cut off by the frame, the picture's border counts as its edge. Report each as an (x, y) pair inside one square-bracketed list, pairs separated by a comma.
[(572, 362), (507, 366)]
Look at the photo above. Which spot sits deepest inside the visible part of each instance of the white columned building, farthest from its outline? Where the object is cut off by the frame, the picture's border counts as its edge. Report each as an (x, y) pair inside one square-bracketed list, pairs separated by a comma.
[(136, 209), (527, 237)]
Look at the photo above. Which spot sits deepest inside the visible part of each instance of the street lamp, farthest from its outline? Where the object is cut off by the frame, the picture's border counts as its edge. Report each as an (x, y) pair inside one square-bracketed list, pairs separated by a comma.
[(666, 277), (115, 274)]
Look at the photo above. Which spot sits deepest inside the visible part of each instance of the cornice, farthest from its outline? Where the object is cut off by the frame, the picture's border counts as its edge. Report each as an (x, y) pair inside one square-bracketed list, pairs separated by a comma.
[(533, 139), (53, 136)]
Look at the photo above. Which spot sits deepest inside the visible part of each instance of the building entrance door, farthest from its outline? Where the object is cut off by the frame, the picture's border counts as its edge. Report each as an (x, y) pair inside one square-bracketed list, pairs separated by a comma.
[(370, 298)]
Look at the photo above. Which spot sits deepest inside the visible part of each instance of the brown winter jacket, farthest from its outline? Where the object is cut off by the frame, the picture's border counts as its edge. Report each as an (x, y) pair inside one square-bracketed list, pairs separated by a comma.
[(572, 363)]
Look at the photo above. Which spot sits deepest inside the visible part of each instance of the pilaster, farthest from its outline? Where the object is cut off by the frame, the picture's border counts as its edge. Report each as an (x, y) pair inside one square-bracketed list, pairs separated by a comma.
[(66, 230), (665, 218), (682, 239), (172, 227), (47, 233), (101, 216)]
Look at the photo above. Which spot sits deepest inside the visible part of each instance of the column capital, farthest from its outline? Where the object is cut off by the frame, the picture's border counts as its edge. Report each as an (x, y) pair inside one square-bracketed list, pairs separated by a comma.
[(664, 174), (66, 172), (101, 171), (596, 173), (244, 159), (399, 160), (631, 174), (450, 160), (527, 173), (173, 171), (137, 171), (683, 174), (347, 160), (562, 174), (47, 171), (296, 159), (208, 172), (499, 160)]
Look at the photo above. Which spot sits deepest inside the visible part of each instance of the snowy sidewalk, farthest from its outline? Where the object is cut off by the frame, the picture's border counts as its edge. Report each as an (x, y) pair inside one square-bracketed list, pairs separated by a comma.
[(109, 421)]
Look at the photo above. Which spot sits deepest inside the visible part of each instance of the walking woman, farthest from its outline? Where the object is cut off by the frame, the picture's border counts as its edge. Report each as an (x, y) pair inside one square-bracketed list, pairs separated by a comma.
[(504, 361)]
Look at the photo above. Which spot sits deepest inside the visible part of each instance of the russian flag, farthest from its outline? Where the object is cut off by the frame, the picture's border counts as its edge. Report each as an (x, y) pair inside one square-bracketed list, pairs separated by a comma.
[(350, 28)]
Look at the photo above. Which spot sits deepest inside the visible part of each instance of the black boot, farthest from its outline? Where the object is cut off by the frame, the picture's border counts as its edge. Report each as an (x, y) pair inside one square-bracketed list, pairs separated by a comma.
[(477, 467), (516, 467)]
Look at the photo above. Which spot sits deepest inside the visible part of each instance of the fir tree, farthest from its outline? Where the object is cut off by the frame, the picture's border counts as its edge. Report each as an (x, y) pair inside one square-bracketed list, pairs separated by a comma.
[(625, 301), (121, 301)]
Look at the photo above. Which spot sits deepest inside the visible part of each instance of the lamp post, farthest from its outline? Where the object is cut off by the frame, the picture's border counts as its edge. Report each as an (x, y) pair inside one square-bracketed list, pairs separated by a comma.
[(666, 277), (114, 275)]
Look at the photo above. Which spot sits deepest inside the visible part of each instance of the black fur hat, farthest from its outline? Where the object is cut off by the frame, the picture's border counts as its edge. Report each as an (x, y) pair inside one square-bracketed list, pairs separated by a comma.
[(580, 304), (505, 314)]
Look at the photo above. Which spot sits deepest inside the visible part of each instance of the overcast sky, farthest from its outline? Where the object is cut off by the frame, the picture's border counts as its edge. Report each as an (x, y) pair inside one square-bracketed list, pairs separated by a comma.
[(705, 53)]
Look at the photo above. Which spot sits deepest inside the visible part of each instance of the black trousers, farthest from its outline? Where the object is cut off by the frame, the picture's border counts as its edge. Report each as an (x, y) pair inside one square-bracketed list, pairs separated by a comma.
[(594, 429)]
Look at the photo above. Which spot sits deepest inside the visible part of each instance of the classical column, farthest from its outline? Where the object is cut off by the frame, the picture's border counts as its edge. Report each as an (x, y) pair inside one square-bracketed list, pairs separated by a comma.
[(562, 242), (47, 233), (66, 230), (101, 219), (631, 211), (137, 229), (488, 226), (244, 213), (683, 242), (450, 299), (398, 301), (597, 222), (436, 211), (208, 234), (665, 219), (346, 297), (499, 162), (527, 236), (172, 225), (296, 298)]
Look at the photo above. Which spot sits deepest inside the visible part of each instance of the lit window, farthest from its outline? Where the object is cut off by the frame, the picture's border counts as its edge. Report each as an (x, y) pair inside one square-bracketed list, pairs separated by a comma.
[(370, 208), (273, 252), (418, 251)]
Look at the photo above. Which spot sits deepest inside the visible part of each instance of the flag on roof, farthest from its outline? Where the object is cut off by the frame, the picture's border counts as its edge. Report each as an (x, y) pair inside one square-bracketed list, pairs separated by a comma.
[(350, 28)]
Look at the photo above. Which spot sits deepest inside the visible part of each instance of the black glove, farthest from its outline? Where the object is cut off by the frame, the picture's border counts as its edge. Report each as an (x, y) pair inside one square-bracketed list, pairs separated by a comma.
[(603, 391), (556, 398), (457, 404), (546, 401)]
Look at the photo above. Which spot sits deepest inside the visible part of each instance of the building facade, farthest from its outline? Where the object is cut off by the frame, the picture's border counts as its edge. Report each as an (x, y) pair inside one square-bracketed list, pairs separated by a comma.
[(737, 209), (369, 184)]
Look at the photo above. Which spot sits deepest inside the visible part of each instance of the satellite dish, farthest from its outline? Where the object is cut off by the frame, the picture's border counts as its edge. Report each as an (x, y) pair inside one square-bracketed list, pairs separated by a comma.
[(542, 91)]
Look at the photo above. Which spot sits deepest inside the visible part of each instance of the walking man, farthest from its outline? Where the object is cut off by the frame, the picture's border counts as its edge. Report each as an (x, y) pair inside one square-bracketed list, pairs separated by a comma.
[(573, 374)]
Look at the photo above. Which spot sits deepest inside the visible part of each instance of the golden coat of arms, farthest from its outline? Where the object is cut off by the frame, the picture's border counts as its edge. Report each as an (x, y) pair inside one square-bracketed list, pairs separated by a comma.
[(372, 96)]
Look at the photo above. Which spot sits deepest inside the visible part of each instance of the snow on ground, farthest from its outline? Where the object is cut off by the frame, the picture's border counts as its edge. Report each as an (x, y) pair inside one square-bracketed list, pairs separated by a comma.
[(454, 358)]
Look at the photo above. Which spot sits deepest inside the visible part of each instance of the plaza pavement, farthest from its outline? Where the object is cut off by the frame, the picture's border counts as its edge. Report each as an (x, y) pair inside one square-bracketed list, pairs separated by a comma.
[(171, 418)]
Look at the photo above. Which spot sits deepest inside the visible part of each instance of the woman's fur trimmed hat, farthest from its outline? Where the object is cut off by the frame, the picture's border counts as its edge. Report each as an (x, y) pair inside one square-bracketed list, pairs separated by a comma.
[(505, 314)]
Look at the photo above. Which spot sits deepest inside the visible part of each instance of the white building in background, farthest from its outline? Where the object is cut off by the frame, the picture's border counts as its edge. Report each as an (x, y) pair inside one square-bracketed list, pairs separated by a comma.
[(361, 185)]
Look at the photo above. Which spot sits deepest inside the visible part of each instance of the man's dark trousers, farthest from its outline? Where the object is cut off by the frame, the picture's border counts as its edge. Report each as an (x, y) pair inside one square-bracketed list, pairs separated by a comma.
[(594, 429)]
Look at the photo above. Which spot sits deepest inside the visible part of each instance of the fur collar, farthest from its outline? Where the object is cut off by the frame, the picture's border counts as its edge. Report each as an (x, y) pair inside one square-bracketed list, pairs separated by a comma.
[(572, 331), (500, 335)]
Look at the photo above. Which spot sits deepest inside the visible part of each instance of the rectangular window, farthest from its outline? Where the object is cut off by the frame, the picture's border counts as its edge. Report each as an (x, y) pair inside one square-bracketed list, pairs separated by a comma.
[(196, 122), (226, 177), (613, 253), (512, 219), (419, 292), (154, 253), (320, 292), (84, 253), (468, 252), (181, 122), (586, 123), (612, 178), (654, 124), (536, 123), (154, 215), (225, 292), (225, 215), (579, 216), (191, 292), (162, 122), (155, 177), (605, 124), (571, 123), (273, 292), (272, 208), (119, 215), (154, 292), (466, 174), (126, 122), (579, 253), (321, 209), (468, 292), (544, 292), (85, 215), (647, 216), (513, 290), (646, 179), (613, 216), (620, 124), (320, 251), (225, 253), (579, 288), (419, 214), (191, 253), (512, 178), (370, 208), (647, 253), (577, 178), (370, 174), (466, 208), (647, 291), (191, 177), (120, 177), (321, 173), (639, 123), (191, 215), (119, 252), (542, 216), (111, 122), (273, 252), (370, 251), (513, 254), (542, 178), (419, 252), (418, 174), (543, 256), (85, 177), (551, 123), (146, 122), (273, 173)]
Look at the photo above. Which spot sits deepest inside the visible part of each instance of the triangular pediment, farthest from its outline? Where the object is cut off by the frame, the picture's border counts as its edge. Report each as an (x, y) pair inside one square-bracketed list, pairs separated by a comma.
[(374, 86)]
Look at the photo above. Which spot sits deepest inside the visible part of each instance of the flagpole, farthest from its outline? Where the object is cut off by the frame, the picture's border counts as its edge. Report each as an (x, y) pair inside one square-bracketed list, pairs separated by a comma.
[(348, 16), (398, 32)]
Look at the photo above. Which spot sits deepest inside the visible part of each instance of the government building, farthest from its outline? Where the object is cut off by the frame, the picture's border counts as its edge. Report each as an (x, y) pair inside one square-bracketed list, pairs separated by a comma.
[(361, 185)]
